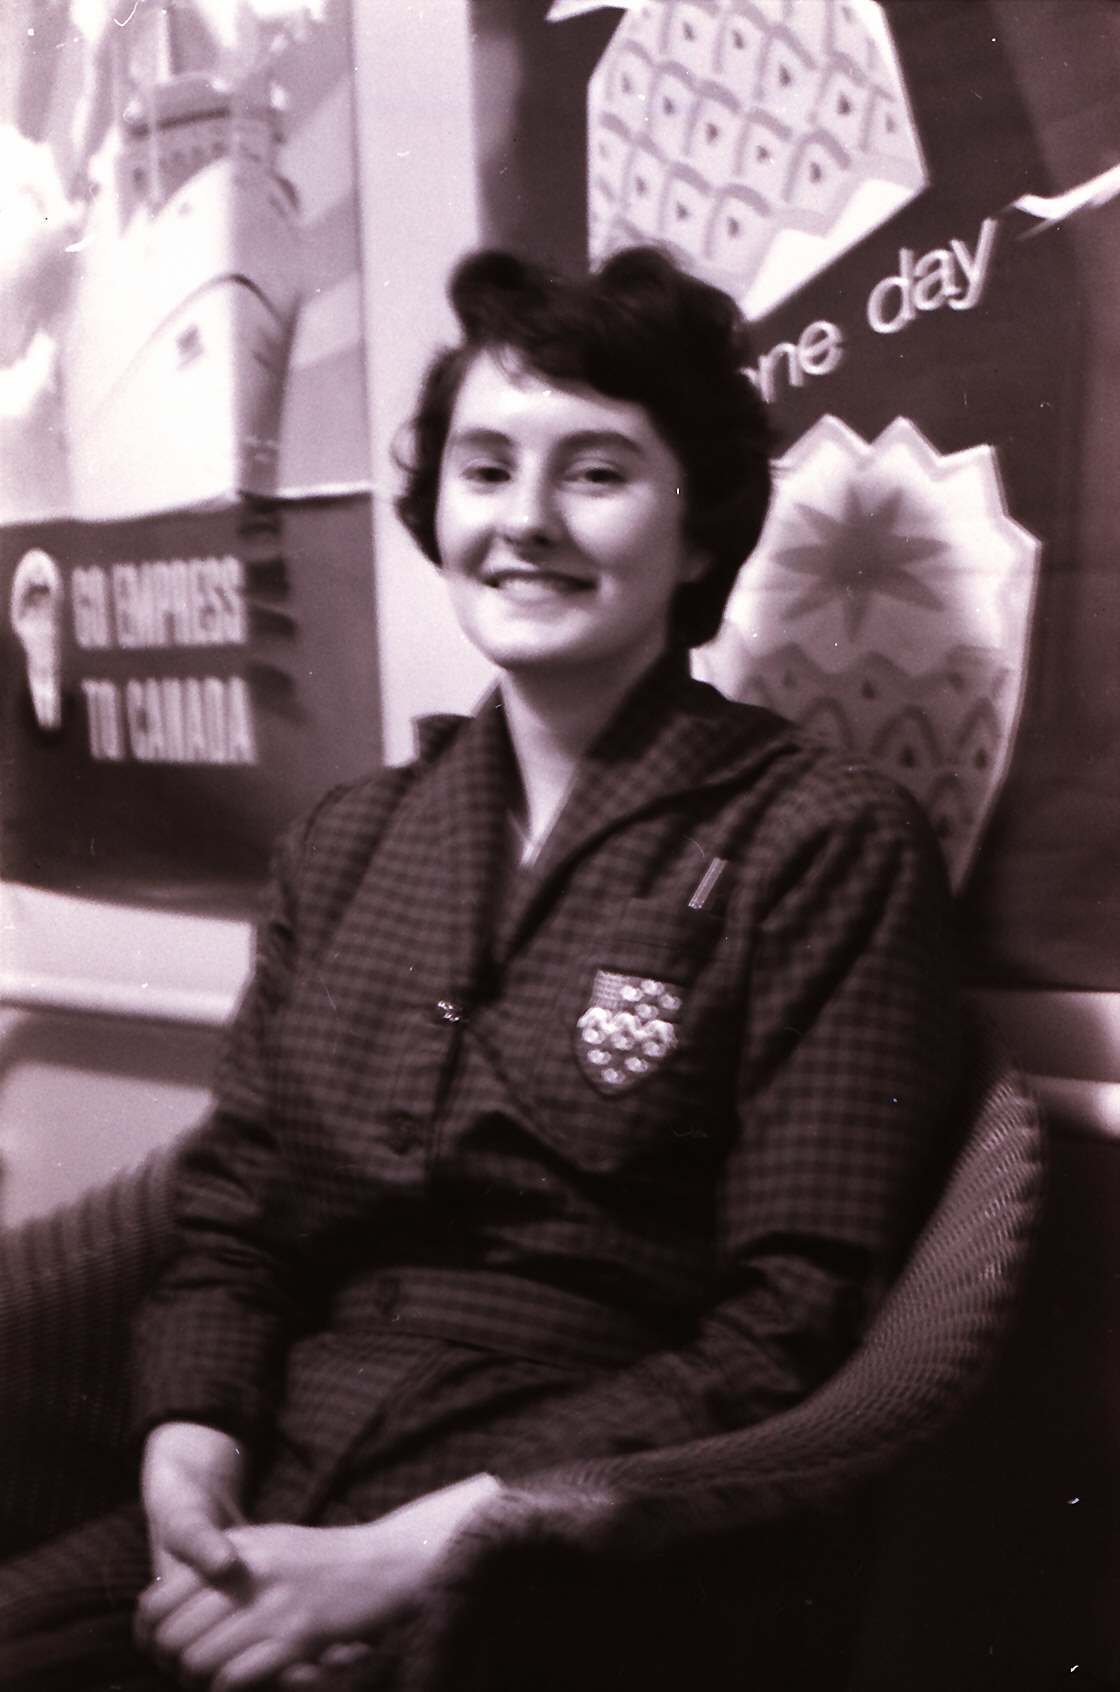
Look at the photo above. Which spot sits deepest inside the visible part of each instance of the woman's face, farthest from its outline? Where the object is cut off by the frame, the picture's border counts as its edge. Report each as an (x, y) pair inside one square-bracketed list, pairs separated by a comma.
[(560, 524)]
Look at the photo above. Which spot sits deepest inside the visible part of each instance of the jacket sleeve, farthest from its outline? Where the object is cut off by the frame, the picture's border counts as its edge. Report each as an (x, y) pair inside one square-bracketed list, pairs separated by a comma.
[(847, 1067), (212, 1339), (209, 1340)]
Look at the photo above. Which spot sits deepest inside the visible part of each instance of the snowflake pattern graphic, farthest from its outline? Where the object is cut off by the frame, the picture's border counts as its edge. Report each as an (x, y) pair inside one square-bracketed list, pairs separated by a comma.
[(887, 609)]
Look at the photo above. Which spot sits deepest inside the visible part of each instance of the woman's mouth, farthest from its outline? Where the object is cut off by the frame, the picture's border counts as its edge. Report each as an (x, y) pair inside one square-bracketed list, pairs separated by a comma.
[(532, 586)]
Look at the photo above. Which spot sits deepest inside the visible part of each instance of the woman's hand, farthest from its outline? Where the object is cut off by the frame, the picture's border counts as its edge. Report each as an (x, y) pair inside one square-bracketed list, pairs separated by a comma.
[(302, 1593), (191, 1484)]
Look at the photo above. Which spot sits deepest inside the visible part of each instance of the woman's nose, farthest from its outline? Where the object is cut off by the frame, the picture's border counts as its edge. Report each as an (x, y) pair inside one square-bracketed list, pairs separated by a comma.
[(530, 519)]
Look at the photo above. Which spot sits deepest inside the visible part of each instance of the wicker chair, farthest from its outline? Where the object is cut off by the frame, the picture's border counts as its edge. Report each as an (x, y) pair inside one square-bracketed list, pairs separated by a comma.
[(70, 1280)]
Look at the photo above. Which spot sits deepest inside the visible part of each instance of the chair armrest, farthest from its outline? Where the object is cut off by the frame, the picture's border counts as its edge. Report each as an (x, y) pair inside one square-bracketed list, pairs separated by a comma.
[(69, 1284), (927, 1353)]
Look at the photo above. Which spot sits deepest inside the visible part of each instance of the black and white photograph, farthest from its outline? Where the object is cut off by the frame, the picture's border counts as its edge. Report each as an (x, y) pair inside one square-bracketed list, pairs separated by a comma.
[(559, 888)]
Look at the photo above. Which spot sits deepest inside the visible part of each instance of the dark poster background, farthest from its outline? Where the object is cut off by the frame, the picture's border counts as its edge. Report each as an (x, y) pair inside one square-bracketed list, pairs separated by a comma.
[(1021, 388), (217, 671), (1012, 100), (1045, 897)]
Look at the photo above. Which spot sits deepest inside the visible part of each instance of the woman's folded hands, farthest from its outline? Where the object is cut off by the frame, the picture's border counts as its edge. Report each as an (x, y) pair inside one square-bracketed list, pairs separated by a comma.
[(286, 1604)]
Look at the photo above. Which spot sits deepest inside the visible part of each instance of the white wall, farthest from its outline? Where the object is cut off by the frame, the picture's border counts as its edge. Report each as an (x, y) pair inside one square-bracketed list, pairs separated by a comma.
[(107, 1036), (416, 160), (83, 1096)]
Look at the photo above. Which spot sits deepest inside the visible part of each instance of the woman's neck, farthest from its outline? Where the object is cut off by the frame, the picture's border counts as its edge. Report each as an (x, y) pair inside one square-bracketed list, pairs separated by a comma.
[(553, 719)]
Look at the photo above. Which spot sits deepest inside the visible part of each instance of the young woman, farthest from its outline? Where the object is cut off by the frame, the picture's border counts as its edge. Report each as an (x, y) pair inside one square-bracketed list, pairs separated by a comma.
[(594, 1064)]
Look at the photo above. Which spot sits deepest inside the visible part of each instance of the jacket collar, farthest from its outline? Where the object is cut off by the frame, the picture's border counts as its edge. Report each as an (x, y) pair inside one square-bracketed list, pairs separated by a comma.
[(669, 736), (467, 792)]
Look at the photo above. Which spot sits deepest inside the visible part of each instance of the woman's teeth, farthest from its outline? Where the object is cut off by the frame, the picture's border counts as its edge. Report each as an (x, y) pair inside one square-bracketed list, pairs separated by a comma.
[(525, 584)]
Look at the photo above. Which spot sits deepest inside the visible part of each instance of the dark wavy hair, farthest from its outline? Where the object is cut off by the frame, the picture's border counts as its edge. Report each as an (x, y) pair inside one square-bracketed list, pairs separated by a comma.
[(639, 329)]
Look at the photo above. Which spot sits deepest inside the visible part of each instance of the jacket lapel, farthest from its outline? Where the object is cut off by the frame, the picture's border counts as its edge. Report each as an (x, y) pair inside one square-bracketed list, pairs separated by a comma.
[(466, 804), (417, 929), (670, 735)]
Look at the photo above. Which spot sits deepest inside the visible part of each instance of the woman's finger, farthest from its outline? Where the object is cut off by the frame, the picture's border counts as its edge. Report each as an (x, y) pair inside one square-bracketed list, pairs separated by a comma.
[(242, 1632), (341, 1656), (192, 1537), (257, 1664), (162, 1598), (195, 1620), (168, 1591), (301, 1675), (333, 1660)]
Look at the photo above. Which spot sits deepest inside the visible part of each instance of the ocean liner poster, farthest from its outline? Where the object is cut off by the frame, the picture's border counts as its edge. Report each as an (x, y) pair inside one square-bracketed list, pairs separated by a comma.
[(185, 539)]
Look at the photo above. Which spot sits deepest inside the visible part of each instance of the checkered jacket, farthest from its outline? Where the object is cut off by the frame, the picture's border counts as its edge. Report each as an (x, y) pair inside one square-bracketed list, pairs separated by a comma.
[(420, 1129)]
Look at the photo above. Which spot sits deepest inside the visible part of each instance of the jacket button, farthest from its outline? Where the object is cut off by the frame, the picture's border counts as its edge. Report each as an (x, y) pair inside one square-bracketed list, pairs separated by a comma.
[(401, 1131), (447, 1010)]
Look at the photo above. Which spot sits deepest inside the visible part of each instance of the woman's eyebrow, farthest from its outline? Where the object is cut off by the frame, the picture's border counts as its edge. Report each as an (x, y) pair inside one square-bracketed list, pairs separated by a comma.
[(493, 439), (603, 440), (583, 440), (482, 439)]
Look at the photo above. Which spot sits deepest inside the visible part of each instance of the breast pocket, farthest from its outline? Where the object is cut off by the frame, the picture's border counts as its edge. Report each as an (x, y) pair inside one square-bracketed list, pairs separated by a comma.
[(632, 1067)]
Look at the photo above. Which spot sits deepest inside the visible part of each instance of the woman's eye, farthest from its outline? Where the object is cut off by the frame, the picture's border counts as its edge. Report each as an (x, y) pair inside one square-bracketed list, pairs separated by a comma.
[(597, 475), (485, 472)]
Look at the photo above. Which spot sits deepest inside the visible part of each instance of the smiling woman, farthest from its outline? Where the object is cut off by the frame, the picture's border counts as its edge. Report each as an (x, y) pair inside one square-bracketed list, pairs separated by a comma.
[(590, 469), (594, 1073)]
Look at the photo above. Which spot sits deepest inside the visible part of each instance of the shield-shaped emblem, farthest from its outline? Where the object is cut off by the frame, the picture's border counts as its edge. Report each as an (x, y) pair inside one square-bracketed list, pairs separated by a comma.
[(628, 1029)]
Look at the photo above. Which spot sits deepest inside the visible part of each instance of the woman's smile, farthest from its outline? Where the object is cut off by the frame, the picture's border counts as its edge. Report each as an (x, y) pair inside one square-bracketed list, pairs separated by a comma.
[(531, 587)]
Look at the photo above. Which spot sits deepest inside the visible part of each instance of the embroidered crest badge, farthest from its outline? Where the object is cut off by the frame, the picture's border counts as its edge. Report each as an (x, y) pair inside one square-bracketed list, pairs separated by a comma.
[(627, 1030)]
